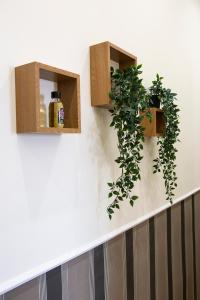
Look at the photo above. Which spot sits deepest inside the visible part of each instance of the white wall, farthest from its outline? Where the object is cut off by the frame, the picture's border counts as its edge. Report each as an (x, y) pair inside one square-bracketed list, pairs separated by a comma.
[(53, 188)]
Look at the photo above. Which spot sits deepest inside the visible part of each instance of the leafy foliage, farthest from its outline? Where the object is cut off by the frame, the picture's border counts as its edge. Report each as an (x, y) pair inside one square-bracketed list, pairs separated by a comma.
[(129, 98), (157, 87), (167, 151)]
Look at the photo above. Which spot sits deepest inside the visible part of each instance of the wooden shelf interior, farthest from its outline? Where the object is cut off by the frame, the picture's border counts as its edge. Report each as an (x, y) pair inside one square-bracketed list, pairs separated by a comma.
[(157, 126), (28, 94), (160, 123), (121, 57), (68, 88), (102, 57)]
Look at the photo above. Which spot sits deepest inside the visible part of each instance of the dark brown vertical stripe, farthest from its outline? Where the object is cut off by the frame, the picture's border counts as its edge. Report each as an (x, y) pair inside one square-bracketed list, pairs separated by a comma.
[(99, 273), (176, 252), (197, 240), (141, 261), (54, 284), (194, 247), (129, 265), (169, 254), (152, 259), (183, 249)]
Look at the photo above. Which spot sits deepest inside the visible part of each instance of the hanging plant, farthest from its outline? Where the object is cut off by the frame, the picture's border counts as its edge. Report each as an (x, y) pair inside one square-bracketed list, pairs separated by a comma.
[(129, 98), (166, 160), (156, 92)]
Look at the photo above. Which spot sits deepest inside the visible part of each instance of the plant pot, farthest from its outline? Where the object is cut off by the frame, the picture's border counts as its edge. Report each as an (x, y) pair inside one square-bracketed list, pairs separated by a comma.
[(154, 101)]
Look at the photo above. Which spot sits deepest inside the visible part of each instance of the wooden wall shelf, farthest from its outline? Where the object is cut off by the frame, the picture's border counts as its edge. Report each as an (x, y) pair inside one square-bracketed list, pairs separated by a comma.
[(157, 126), (101, 57), (27, 80)]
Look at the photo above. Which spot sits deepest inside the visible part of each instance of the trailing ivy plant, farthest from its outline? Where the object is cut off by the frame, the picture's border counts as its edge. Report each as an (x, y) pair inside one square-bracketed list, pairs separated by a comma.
[(166, 160), (156, 92), (129, 98)]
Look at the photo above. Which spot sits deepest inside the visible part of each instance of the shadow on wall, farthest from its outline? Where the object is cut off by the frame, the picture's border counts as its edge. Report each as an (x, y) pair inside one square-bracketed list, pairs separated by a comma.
[(36, 155), (103, 150), (12, 99), (151, 185), (41, 151), (104, 139)]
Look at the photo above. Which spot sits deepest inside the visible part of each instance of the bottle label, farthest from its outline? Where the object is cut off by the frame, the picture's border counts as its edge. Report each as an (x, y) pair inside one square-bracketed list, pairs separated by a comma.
[(58, 114), (61, 116)]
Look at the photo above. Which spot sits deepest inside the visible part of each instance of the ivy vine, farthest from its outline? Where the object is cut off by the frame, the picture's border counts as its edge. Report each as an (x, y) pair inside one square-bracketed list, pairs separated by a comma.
[(166, 160), (155, 92), (129, 99)]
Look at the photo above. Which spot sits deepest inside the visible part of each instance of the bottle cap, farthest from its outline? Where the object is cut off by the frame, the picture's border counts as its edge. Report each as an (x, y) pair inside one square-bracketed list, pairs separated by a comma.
[(55, 94)]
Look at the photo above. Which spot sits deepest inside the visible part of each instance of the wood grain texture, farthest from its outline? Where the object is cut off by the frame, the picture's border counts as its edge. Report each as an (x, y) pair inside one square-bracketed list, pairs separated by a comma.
[(141, 261), (100, 74), (124, 58), (100, 58), (157, 126), (27, 78), (27, 97), (70, 94), (115, 268), (161, 266), (177, 274)]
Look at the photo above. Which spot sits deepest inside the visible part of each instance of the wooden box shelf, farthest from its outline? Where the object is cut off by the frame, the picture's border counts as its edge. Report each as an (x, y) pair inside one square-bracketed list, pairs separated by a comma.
[(157, 126), (101, 57), (27, 81)]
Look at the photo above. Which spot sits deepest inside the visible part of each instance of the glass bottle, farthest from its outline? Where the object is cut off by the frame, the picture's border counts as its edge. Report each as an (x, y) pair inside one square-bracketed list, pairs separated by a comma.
[(43, 113), (56, 110)]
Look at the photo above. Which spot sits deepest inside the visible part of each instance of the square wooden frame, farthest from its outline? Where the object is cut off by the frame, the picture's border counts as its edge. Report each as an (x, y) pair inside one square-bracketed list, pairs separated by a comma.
[(27, 81), (100, 58)]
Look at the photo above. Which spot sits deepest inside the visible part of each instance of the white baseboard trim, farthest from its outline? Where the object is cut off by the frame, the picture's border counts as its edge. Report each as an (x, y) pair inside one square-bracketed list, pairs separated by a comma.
[(33, 273)]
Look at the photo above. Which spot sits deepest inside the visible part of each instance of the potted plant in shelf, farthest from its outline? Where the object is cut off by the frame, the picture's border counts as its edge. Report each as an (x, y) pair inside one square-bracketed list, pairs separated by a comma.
[(166, 160), (156, 92), (129, 98)]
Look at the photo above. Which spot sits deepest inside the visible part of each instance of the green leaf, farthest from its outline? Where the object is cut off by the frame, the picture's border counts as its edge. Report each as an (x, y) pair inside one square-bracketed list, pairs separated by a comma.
[(116, 193), (110, 210)]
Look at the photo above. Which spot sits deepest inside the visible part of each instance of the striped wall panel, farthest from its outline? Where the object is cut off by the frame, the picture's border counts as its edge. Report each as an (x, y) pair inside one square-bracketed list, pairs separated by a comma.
[(129, 265), (78, 278), (161, 267), (196, 239), (176, 253), (157, 260), (141, 262), (115, 269), (28, 291), (189, 265)]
